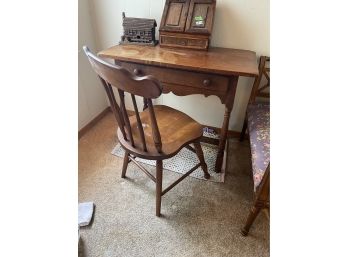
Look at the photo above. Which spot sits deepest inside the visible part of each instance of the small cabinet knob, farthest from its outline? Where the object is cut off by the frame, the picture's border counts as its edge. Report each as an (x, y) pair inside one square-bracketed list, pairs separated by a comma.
[(137, 72), (206, 82)]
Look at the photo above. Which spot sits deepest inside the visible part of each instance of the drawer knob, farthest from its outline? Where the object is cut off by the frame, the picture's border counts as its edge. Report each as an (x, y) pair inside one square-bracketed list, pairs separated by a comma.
[(137, 72), (206, 82)]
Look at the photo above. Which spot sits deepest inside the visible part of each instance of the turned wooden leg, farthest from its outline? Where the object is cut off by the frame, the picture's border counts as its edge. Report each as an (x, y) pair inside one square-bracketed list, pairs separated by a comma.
[(200, 156), (242, 133), (252, 215), (159, 173), (125, 164), (222, 141)]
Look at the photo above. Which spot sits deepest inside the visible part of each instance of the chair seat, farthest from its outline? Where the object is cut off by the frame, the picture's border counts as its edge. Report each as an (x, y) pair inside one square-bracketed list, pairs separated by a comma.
[(176, 128), (259, 134)]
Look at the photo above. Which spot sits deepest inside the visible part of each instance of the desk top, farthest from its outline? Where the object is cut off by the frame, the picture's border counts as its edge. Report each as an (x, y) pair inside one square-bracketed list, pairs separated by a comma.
[(224, 61)]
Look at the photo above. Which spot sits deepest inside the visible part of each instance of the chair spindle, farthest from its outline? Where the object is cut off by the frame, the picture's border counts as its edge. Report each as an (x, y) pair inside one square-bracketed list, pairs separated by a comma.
[(145, 104), (139, 124), (117, 108), (125, 116), (155, 131), (114, 106)]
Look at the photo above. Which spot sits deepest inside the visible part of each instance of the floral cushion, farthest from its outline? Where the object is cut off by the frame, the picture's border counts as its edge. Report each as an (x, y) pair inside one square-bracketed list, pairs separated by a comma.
[(259, 132)]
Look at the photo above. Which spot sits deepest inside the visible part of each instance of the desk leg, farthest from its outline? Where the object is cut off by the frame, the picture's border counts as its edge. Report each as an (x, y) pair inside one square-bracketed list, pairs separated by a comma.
[(222, 141), (229, 100)]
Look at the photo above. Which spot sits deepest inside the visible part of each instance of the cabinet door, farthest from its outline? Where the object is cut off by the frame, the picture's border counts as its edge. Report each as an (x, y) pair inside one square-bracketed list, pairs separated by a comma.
[(200, 16), (174, 15)]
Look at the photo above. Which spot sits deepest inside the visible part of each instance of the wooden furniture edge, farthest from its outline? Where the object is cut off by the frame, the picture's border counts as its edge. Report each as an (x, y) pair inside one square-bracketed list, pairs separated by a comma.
[(106, 54), (94, 121), (179, 66)]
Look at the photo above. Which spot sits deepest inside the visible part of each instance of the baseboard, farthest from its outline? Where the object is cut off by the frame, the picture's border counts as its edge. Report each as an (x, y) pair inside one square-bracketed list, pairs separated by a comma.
[(230, 133), (94, 121)]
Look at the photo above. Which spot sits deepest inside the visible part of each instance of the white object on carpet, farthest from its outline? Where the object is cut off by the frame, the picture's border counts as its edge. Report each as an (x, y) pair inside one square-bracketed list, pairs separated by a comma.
[(85, 213), (185, 160)]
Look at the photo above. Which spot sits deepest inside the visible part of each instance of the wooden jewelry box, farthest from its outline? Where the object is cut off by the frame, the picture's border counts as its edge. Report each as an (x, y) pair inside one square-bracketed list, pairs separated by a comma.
[(187, 23)]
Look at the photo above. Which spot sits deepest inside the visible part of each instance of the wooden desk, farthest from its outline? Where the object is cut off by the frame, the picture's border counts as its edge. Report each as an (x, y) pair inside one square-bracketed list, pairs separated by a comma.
[(188, 72)]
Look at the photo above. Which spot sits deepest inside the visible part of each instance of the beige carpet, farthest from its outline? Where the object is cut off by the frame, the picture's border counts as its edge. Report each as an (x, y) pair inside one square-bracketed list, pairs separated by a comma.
[(199, 218)]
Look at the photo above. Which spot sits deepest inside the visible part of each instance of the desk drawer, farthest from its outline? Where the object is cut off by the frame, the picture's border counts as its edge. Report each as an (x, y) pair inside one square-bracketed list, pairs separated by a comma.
[(205, 81)]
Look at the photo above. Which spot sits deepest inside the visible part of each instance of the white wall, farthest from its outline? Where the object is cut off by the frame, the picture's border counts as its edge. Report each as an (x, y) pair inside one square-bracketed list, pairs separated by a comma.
[(242, 24), (92, 99)]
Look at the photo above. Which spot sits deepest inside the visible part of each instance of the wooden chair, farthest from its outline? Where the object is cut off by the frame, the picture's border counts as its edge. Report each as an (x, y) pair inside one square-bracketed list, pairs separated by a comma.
[(257, 121), (157, 133)]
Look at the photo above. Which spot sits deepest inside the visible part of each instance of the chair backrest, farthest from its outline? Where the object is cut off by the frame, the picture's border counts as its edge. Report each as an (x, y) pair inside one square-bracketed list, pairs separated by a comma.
[(264, 72), (146, 86)]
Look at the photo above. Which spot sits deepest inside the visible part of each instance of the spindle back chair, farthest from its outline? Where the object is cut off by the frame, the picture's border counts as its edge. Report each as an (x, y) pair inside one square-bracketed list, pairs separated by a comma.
[(157, 133)]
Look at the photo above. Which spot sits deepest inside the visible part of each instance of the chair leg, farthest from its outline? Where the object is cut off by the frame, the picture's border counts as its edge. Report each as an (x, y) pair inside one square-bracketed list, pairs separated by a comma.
[(252, 215), (159, 173), (242, 133), (125, 164), (200, 156)]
